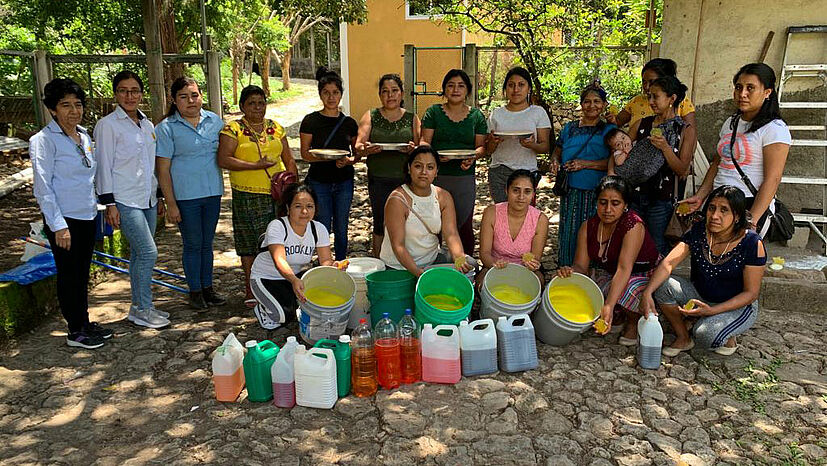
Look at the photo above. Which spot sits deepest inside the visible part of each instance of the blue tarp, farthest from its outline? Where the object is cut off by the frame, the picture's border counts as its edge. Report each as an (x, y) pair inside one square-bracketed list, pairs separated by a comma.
[(37, 268)]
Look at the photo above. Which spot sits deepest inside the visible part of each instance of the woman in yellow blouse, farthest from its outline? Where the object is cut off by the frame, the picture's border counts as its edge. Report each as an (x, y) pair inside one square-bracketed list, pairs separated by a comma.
[(253, 149)]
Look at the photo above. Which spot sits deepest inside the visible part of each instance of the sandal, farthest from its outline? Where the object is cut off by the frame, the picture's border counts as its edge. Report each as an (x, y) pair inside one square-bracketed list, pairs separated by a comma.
[(250, 303), (672, 351), (627, 341)]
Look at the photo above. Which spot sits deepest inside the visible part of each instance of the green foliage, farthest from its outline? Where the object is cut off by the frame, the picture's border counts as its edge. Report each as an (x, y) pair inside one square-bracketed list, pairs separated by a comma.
[(271, 34), (15, 72), (276, 93), (751, 387)]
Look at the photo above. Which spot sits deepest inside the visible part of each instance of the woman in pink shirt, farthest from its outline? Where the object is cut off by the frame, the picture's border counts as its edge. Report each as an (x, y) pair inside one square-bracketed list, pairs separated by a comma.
[(513, 231)]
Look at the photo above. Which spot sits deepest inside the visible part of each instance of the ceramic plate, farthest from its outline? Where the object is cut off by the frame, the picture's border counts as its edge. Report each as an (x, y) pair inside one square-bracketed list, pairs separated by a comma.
[(513, 134), (391, 145), (329, 154), (457, 154)]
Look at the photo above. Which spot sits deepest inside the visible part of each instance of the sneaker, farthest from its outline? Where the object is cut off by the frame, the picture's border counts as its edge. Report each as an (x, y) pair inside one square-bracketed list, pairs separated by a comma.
[(264, 320), (157, 312), (212, 298), (94, 329), (149, 319), (132, 310), (84, 340)]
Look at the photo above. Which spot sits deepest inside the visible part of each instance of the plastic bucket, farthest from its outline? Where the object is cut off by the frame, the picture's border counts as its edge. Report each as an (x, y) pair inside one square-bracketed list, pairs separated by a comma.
[(470, 275), (443, 281), (358, 268), (317, 321), (513, 275), (552, 328), (390, 291)]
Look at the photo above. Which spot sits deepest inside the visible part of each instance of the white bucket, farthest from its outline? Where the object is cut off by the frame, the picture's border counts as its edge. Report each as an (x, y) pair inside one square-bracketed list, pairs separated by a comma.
[(551, 328), (358, 268), (317, 321), (514, 275)]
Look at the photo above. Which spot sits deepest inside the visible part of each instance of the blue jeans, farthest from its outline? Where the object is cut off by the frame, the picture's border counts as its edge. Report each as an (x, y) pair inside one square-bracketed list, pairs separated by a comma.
[(199, 218), (655, 213), (333, 207), (138, 225)]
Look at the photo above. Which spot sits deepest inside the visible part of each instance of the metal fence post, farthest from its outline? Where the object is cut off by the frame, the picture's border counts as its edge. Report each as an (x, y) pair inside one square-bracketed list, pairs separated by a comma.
[(409, 75), (214, 82), (42, 75), (469, 65)]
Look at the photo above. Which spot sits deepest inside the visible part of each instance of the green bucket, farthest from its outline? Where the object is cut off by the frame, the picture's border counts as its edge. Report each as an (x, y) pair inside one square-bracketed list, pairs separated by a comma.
[(444, 281), (390, 291)]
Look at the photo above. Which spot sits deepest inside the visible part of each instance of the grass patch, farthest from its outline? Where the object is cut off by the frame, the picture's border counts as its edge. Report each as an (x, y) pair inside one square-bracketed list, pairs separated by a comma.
[(748, 389)]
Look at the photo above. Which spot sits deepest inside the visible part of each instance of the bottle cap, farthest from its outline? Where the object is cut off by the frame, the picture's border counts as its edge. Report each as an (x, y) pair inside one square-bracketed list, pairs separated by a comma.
[(407, 312), (291, 339), (362, 321), (344, 338), (386, 315), (251, 344), (463, 323)]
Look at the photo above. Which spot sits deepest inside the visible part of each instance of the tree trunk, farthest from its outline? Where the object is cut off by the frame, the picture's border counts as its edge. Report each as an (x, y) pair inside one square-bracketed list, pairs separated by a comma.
[(237, 57), (285, 69), (265, 71), (169, 40)]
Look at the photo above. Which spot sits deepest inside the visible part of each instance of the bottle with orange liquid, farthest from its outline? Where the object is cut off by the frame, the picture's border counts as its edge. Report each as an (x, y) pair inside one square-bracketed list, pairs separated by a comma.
[(388, 354), (411, 354), (362, 361)]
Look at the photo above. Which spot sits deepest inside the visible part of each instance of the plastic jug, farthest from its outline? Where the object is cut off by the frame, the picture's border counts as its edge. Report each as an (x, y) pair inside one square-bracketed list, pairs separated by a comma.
[(516, 343), (257, 365), (440, 354), (650, 341), (228, 369), (362, 361), (388, 353), (411, 349), (284, 380), (341, 350), (316, 378), (478, 342)]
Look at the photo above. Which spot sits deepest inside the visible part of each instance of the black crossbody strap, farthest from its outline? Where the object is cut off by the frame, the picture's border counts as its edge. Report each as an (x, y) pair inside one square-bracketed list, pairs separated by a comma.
[(744, 178), (335, 129)]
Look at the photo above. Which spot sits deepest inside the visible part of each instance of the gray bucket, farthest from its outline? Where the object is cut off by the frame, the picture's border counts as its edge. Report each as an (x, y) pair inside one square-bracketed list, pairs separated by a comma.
[(316, 321), (551, 328), (514, 275)]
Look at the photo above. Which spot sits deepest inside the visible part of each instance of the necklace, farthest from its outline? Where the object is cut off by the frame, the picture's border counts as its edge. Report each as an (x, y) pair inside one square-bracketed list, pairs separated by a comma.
[(259, 135), (601, 252), (721, 258)]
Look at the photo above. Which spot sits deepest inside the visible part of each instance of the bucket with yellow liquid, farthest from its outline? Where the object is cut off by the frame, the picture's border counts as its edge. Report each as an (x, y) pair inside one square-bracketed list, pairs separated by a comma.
[(330, 294), (443, 297), (509, 291), (570, 307)]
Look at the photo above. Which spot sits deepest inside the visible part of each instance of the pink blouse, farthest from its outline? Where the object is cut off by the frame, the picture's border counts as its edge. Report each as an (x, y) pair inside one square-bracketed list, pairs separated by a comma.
[(503, 247)]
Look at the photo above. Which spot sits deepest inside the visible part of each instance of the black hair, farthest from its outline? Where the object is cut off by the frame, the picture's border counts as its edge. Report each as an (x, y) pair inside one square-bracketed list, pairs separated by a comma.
[(176, 86), (123, 76), (453, 74), (290, 193), (248, 92), (325, 76), (521, 72), (59, 88), (737, 204), (671, 85), (423, 149), (517, 174), (395, 78), (616, 183), (611, 134), (661, 66), (596, 88), (770, 110)]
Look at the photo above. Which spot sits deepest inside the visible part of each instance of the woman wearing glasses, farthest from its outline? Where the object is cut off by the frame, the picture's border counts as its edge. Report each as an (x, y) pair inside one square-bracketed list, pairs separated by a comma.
[(64, 186), (126, 184)]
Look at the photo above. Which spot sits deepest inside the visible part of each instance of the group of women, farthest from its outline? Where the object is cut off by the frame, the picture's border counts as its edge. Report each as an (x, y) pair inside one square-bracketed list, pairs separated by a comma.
[(611, 227)]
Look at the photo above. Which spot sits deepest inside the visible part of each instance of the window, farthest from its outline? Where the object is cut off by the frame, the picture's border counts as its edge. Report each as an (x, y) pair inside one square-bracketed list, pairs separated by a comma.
[(419, 11)]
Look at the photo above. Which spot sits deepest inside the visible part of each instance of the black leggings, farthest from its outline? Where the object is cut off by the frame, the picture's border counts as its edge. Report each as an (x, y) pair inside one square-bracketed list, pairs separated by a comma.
[(73, 271)]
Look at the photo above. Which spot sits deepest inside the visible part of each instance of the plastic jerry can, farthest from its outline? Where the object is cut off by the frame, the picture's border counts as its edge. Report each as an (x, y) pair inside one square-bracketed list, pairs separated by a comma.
[(284, 381), (516, 344), (316, 378), (440, 354), (228, 369), (650, 341), (341, 351), (478, 342), (257, 366)]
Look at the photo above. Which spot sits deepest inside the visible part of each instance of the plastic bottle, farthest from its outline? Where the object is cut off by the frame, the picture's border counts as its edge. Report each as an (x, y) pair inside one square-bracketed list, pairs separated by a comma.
[(341, 350), (516, 344), (440, 354), (228, 370), (284, 378), (478, 342), (650, 341), (257, 366), (315, 378), (388, 353), (362, 361), (411, 349)]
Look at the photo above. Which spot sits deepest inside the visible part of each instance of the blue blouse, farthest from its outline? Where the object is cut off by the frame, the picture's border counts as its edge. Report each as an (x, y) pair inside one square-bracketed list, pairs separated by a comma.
[(572, 138)]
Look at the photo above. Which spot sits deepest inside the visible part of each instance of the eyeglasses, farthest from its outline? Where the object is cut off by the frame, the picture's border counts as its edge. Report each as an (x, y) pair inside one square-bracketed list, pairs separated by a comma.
[(84, 159), (130, 92)]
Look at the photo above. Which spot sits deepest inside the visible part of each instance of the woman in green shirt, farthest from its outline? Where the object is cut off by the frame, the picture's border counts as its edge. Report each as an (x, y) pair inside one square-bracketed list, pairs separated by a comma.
[(455, 125)]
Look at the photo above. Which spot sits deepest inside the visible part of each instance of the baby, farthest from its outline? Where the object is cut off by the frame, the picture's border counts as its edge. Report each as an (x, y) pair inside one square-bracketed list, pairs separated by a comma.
[(620, 143)]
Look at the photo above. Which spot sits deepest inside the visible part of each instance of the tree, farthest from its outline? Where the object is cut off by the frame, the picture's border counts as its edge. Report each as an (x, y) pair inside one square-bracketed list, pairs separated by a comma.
[(269, 35)]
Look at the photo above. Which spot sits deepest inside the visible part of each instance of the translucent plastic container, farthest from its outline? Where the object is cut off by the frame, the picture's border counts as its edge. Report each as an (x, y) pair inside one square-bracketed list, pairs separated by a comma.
[(284, 377), (316, 378), (440, 354), (516, 343), (478, 342), (650, 342), (388, 353), (409, 341), (362, 361), (228, 369)]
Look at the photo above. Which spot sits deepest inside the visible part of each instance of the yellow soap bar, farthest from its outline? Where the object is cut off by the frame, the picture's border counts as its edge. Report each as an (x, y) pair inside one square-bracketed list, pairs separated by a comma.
[(324, 297), (657, 132), (444, 302), (510, 294), (689, 305), (600, 325), (571, 303)]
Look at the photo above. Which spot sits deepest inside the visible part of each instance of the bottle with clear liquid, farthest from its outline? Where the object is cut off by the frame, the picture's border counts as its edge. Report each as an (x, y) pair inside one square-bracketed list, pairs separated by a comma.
[(388, 353), (363, 361), (410, 349)]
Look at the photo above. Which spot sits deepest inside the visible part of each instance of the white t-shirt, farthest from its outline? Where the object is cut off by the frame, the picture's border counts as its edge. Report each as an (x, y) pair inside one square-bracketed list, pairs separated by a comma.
[(749, 152), (510, 153), (299, 249)]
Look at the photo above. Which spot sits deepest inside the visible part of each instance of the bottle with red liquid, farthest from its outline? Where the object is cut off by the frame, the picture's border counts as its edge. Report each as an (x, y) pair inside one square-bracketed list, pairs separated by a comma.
[(283, 375), (411, 354), (362, 361), (388, 354)]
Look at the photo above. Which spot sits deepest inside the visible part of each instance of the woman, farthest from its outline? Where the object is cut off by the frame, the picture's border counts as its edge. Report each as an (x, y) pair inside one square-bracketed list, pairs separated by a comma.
[(412, 241), (187, 143), (509, 153), (64, 186), (513, 231), (621, 254), (762, 143), (253, 149), (287, 250), (455, 125), (722, 292), (580, 150), (331, 180), (388, 124)]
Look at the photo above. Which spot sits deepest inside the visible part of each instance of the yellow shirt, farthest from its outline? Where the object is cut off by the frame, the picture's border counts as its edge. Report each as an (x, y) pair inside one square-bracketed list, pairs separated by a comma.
[(639, 108), (255, 181)]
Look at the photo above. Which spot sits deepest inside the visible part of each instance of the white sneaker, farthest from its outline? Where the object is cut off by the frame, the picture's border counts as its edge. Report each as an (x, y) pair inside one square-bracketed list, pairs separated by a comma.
[(157, 312), (264, 320), (149, 319)]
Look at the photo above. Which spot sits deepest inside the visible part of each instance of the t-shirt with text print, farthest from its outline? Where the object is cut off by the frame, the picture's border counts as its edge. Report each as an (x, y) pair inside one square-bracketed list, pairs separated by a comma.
[(299, 250)]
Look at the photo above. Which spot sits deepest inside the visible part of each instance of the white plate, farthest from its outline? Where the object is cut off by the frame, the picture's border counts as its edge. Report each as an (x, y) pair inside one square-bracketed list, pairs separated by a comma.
[(329, 154), (457, 154), (514, 134), (391, 145)]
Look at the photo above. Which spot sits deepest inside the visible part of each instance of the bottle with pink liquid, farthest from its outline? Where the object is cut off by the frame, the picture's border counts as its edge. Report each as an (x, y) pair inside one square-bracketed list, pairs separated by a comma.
[(284, 380), (440, 354)]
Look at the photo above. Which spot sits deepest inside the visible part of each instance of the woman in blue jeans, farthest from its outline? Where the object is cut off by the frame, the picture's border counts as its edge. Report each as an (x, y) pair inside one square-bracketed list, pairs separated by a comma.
[(332, 181), (126, 184), (187, 144)]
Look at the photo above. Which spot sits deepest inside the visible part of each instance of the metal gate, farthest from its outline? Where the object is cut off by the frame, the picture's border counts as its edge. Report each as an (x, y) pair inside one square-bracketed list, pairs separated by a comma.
[(426, 66)]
